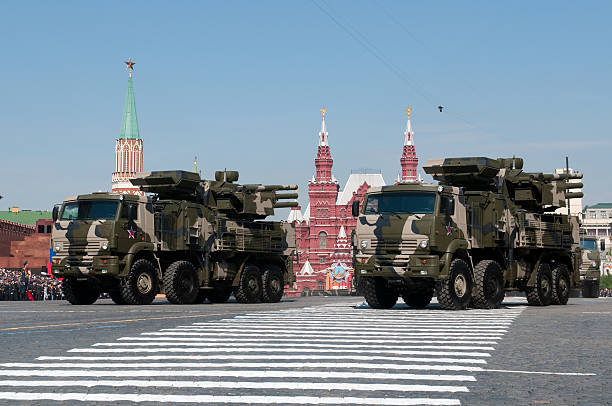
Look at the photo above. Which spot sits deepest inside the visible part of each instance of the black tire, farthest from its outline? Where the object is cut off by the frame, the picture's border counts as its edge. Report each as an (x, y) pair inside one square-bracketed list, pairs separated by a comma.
[(595, 291), (590, 289), (141, 285), (115, 295), (418, 299), (455, 292), (273, 284), (488, 285), (249, 287), (378, 294), (541, 294), (221, 293), (181, 283), (561, 285), (79, 293)]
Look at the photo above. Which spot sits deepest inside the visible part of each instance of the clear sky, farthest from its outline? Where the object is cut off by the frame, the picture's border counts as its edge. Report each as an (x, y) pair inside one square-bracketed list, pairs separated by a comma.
[(240, 85)]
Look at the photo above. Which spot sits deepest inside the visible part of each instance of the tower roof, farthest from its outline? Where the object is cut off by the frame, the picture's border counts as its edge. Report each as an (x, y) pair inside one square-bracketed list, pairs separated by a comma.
[(129, 124)]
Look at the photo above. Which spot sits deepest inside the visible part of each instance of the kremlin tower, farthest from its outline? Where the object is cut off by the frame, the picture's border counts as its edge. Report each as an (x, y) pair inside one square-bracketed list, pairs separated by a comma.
[(409, 160), (128, 148)]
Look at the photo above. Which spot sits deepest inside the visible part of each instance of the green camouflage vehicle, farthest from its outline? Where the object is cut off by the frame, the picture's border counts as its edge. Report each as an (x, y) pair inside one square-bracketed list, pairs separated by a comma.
[(192, 240), (589, 268), (486, 228)]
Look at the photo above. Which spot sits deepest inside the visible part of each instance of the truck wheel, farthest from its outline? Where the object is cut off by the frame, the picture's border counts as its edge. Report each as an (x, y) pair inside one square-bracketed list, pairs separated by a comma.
[(419, 299), (488, 285), (221, 293), (587, 288), (541, 294), (377, 294), (115, 295), (455, 292), (181, 283), (595, 291), (560, 285), (79, 293), (273, 284), (249, 287), (140, 286)]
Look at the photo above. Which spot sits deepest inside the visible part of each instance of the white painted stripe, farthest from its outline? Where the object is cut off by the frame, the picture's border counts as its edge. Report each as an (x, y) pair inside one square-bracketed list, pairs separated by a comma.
[(239, 346), (334, 386), (542, 372), (323, 327), (278, 350), (300, 339), (299, 400), (265, 357), (275, 365), (351, 317), (306, 323), (341, 334), (261, 374)]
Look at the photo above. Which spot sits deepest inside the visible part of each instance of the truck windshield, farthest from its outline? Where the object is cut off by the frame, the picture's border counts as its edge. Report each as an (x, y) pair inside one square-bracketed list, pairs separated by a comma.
[(401, 203), (90, 210), (588, 244)]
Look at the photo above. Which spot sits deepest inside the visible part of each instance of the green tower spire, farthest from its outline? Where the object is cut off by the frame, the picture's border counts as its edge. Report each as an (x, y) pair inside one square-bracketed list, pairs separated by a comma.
[(129, 124)]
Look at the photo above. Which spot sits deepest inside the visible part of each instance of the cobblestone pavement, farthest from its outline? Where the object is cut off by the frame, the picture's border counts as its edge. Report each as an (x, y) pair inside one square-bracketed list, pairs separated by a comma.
[(305, 351)]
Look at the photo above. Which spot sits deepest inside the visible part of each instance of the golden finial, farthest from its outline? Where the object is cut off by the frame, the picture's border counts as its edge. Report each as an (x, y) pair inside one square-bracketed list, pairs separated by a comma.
[(130, 66), (323, 111), (408, 112)]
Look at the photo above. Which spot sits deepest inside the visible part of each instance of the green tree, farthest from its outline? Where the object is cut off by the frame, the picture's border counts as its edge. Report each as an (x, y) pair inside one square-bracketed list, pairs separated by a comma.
[(606, 282)]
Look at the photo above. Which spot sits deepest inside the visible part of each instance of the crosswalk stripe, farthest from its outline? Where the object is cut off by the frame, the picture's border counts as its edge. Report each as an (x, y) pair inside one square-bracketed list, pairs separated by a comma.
[(277, 365), (334, 386), (340, 334), (241, 374), (322, 327), (234, 345), (287, 357), (277, 350), (273, 338), (298, 400)]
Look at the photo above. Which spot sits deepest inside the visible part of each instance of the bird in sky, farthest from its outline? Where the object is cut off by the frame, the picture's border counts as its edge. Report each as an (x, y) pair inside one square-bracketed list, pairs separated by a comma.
[(440, 108)]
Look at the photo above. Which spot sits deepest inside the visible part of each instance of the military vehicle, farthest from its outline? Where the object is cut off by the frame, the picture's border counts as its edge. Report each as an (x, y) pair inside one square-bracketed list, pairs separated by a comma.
[(192, 239), (589, 268), (486, 228)]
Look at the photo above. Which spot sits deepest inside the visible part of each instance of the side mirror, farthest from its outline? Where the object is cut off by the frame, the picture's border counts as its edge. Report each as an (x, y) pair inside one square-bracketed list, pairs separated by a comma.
[(55, 213), (355, 208), (602, 245), (132, 212)]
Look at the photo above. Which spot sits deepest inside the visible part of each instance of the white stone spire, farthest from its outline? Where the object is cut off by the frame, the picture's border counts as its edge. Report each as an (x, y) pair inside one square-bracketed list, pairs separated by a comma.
[(342, 232), (323, 134), (408, 140)]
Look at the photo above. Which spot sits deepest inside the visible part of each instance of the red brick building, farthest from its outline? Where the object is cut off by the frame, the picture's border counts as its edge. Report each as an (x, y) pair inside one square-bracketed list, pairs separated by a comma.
[(323, 231)]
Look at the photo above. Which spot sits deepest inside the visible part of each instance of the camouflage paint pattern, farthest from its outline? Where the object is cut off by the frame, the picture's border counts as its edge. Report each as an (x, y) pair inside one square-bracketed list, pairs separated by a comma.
[(214, 224), (498, 212), (591, 260)]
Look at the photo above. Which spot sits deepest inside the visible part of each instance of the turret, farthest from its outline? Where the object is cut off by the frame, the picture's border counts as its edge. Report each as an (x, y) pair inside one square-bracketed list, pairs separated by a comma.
[(252, 201), (536, 191)]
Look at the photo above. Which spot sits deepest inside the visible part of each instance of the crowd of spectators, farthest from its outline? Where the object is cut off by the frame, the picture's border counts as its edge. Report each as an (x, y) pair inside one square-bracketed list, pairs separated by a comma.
[(23, 285), (605, 293)]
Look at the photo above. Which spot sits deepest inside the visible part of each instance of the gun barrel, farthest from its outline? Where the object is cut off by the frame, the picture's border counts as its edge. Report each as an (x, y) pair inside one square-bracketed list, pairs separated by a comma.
[(573, 185), (561, 176), (282, 205), (574, 195), (286, 196)]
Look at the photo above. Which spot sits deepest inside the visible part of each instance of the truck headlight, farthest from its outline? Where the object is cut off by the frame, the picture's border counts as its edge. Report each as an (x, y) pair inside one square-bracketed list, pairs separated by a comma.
[(594, 264), (57, 247), (105, 245), (423, 244), (364, 243)]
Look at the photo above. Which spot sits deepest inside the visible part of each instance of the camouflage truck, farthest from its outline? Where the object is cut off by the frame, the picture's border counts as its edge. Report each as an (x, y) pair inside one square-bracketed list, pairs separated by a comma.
[(191, 239), (486, 228), (589, 267)]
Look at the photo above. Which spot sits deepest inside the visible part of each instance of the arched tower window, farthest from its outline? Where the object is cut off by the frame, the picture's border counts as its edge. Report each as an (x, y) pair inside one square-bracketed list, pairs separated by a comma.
[(126, 157), (322, 240)]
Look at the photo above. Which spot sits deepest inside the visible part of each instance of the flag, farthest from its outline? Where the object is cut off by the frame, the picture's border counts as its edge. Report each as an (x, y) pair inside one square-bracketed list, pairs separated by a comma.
[(30, 295)]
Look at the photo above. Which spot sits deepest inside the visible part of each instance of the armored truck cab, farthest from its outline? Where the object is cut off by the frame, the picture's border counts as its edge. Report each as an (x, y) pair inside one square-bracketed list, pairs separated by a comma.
[(486, 228), (192, 239), (589, 267)]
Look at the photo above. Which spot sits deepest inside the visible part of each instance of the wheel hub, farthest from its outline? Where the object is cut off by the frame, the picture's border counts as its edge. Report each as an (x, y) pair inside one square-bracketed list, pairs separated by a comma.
[(460, 285), (144, 283)]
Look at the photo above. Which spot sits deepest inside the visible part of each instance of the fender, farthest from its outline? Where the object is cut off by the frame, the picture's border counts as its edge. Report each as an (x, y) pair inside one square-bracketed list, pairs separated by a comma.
[(135, 249), (236, 280), (449, 254), (533, 278)]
